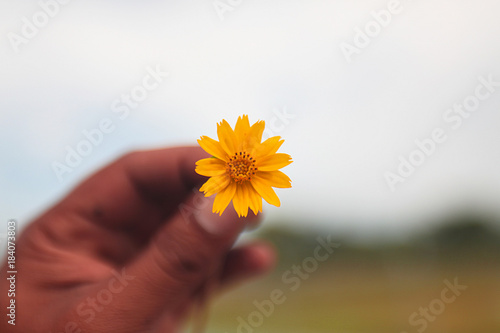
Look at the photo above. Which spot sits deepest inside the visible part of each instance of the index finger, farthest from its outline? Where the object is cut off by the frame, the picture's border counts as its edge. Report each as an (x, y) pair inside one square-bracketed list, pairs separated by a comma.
[(139, 190)]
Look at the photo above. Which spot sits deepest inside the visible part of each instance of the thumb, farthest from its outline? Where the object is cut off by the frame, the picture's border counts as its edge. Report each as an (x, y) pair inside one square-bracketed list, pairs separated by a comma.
[(186, 252)]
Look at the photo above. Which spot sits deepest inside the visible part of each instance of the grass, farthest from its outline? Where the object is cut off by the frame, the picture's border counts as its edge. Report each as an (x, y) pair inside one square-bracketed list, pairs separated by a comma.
[(371, 297)]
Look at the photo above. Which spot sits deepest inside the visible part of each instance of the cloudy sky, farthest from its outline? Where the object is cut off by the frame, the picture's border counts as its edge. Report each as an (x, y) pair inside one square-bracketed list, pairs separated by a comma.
[(350, 85)]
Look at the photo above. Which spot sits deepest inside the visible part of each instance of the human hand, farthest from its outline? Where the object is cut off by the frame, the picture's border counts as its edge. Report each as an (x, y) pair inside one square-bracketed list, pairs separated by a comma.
[(131, 249)]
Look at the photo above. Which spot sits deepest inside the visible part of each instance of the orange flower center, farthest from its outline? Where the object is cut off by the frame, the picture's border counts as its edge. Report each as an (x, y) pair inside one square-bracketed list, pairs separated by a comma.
[(241, 167)]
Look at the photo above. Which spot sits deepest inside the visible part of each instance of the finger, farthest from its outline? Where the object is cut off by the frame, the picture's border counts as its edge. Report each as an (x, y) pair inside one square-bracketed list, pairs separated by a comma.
[(186, 252), (135, 184), (248, 262), (241, 264), (116, 211)]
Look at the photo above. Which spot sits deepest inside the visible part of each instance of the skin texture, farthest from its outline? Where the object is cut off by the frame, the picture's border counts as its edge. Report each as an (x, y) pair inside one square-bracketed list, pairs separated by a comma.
[(125, 252)]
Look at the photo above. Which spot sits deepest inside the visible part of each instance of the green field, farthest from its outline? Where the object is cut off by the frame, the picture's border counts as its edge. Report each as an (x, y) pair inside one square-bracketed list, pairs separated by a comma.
[(373, 289)]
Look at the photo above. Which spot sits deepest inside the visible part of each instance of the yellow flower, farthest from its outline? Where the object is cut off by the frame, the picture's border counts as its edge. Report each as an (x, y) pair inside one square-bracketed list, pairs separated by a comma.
[(242, 168)]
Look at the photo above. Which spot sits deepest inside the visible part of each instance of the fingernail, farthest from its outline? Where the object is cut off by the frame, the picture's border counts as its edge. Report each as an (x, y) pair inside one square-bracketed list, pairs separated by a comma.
[(226, 224)]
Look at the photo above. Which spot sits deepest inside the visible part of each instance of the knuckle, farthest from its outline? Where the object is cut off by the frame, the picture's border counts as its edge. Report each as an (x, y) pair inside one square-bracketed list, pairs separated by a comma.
[(184, 263)]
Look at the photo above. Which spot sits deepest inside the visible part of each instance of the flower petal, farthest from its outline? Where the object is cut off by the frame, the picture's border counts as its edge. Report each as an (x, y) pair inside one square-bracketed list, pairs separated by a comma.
[(223, 198), (255, 200), (254, 137), (268, 147), (213, 148), (240, 201), (215, 184), (273, 162), (266, 192), (257, 129), (241, 129), (274, 178), (210, 167), (227, 138)]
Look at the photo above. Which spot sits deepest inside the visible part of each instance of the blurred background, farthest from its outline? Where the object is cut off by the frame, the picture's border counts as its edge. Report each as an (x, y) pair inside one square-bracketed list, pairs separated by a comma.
[(390, 110)]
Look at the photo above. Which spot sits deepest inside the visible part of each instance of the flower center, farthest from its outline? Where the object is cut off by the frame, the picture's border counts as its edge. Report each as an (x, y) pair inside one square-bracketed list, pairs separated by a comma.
[(241, 167)]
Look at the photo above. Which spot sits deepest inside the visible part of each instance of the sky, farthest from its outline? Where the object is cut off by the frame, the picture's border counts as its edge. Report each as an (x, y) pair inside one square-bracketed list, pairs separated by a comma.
[(390, 109)]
